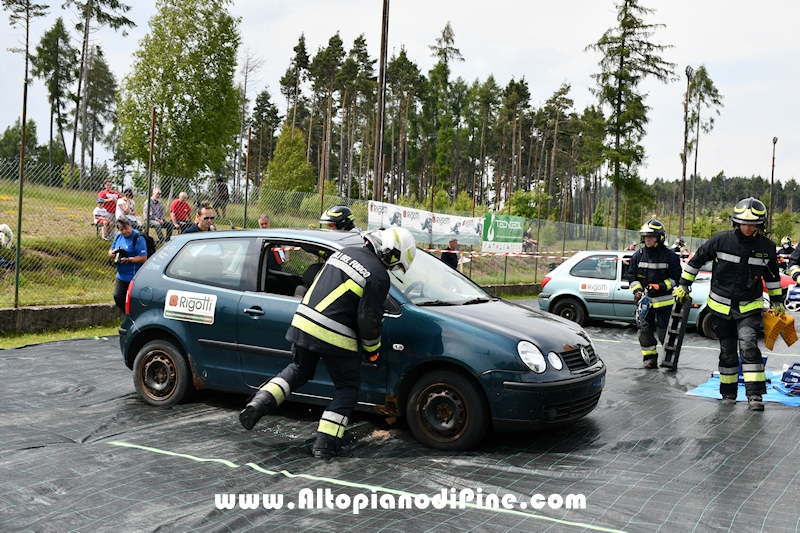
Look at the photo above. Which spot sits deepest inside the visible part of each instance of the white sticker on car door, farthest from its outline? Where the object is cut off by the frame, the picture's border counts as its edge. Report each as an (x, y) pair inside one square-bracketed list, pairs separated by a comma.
[(190, 306), (594, 288)]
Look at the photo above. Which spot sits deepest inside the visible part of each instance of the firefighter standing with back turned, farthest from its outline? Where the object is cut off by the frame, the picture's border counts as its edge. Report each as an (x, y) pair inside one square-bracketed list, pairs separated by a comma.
[(341, 311), (654, 268), (742, 256)]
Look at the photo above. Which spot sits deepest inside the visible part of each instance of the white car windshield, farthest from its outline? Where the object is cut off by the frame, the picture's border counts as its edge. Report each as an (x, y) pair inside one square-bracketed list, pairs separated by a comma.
[(429, 281)]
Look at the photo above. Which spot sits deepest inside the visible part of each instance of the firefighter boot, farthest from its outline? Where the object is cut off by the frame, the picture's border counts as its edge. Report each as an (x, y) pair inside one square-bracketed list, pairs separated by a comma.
[(260, 405), (728, 399), (754, 402), (650, 362), (327, 446)]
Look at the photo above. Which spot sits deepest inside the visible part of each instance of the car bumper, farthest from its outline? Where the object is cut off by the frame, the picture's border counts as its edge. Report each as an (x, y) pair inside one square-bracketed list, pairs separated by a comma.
[(523, 405)]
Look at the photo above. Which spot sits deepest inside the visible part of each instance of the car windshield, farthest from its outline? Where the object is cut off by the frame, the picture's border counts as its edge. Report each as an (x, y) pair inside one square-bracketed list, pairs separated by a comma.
[(431, 282)]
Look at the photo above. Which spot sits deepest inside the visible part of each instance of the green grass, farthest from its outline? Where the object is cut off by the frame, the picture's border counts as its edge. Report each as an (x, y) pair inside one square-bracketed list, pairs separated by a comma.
[(16, 340)]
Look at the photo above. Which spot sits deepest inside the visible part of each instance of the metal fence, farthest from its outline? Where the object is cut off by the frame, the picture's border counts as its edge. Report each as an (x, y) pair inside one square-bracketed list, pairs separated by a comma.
[(63, 256)]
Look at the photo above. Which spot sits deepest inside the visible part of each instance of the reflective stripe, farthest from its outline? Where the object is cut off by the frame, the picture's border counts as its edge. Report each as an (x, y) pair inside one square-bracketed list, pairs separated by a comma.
[(325, 321), (690, 269), (773, 284), (761, 261), (661, 301), (335, 417), (754, 377), (347, 269), (645, 353), (688, 277), (753, 368), (329, 428), (307, 297), (636, 286), (751, 306), (720, 299), (725, 379), (335, 294), (729, 370), (278, 388), (718, 307), (325, 335), (775, 292), (653, 266), (670, 283), (729, 257), (371, 342)]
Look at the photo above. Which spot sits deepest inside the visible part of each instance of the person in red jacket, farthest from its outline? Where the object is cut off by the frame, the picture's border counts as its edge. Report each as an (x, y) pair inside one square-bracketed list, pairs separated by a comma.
[(179, 211)]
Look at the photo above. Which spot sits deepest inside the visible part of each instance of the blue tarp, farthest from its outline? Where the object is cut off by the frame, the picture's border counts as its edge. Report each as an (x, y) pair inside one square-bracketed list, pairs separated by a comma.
[(710, 389)]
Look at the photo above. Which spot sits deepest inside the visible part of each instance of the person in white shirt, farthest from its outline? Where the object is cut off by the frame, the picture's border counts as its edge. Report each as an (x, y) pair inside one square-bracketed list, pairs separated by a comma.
[(102, 219), (127, 207)]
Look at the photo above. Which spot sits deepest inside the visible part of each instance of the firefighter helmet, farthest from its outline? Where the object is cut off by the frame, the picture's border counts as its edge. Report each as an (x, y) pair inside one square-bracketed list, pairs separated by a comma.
[(786, 241), (653, 228), (339, 215), (395, 247), (749, 211)]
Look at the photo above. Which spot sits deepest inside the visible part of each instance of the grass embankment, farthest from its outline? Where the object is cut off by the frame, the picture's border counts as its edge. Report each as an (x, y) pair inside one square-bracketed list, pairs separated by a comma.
[(15, 340)]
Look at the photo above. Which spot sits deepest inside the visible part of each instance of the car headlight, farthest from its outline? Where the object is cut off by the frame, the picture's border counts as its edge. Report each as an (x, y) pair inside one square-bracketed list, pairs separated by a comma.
[(532, 356)]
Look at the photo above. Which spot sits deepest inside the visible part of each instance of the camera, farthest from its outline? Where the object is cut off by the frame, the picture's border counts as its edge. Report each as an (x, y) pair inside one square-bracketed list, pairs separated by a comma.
[(119, 253)]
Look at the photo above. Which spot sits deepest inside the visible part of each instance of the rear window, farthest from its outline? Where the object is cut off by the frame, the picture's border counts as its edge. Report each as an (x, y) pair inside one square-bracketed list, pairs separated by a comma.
[(596, 267), (218, 262)]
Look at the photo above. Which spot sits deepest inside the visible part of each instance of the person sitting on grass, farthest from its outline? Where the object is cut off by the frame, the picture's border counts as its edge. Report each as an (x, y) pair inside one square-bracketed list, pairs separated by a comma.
[(102, 219)]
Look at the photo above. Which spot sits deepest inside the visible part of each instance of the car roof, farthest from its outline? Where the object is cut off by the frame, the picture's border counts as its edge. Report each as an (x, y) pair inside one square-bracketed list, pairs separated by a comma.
[(337, 239)]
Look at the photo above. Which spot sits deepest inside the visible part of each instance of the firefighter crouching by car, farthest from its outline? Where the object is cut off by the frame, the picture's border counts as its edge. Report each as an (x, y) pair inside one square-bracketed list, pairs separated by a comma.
[(342, 309), (742, 256), (656, 269)]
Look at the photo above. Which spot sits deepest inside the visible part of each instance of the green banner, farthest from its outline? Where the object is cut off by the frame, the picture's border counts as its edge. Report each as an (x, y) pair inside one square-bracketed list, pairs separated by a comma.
[(502, 233)]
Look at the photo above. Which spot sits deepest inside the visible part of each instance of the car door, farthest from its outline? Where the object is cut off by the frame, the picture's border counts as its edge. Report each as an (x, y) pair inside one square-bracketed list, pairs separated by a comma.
[(624, 306), (596, 279), (206, 278), (265, 315)]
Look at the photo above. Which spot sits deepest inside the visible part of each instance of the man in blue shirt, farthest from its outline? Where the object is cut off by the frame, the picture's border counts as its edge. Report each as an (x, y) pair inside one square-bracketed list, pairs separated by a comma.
[(129, 254)]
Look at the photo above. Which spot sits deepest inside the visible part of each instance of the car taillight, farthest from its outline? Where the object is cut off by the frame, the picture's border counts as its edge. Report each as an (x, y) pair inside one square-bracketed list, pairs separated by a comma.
[(545, 281), (128, 298)]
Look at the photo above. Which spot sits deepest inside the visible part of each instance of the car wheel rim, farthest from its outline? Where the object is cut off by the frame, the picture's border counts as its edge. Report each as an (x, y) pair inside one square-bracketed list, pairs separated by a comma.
[(159, 376), (443, 412), (568, 313)]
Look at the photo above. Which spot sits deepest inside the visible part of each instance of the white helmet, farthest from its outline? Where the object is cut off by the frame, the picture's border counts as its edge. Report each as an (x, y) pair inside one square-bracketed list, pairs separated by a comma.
[(395, 247)]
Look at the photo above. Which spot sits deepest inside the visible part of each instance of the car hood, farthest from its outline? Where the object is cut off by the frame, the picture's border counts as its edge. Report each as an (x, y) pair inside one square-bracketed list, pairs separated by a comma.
[(549, 332)]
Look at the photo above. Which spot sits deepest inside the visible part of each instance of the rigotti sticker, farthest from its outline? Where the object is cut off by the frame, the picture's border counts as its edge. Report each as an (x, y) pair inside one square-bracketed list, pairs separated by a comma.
[(594, 288), (190, 306)]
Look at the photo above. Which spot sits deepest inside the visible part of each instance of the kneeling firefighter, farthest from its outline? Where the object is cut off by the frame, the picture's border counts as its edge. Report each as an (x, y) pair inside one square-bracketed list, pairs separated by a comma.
[(341, 311), (741, 258), (656, 269)]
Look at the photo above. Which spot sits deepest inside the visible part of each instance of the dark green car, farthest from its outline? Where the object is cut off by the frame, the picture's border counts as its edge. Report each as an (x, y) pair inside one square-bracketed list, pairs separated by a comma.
[(210, 311)]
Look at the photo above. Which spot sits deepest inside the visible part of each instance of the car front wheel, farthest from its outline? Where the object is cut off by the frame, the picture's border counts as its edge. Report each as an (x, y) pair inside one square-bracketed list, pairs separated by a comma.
[(571, 309), (447, 411), (161, 374)]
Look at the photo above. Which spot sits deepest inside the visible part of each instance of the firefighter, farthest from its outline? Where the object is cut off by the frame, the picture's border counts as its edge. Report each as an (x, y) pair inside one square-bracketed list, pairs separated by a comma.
[(656, 269), (342, 310), (338, 217), (785, 253), (742, 257)]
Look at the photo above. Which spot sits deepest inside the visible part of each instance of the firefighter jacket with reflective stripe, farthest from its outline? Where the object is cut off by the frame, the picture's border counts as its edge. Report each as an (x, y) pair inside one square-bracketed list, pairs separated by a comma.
[(655, 265), (794, 264), (344, 306), (739, 264)]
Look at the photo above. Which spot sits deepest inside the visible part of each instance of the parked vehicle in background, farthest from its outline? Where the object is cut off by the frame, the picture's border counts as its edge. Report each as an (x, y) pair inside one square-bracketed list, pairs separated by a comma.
[(211, 311)]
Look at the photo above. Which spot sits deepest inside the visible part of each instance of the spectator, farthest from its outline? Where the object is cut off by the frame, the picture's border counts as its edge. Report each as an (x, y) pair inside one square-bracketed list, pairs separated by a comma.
[(128, 253), (528, 244), (221, 197), (127, 207), (103, 219), (263, 221), (110, 197), (450, 254), (179, 211), (155, 213), (205, 220), (632, 245)]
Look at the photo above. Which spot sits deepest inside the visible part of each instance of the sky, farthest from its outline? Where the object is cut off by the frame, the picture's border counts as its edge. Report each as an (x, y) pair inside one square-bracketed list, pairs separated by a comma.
[(749, 49)]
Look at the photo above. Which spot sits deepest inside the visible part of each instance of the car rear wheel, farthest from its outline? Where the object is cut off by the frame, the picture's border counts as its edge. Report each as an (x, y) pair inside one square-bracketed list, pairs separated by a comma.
[(707, 326), (571, 309), (447, 411), (161, 374)]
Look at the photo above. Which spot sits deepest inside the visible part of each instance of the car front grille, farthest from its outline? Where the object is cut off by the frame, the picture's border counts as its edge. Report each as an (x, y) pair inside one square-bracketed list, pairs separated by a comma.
[(574, 360), (561, 412)]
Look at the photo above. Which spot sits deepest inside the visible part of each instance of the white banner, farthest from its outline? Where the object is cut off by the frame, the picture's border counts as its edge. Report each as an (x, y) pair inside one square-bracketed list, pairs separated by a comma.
[(426, 227)]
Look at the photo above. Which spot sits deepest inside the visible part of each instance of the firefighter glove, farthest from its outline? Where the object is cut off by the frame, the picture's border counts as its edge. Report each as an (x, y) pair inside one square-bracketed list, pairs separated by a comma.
[(680, 294), (655, 286), (778, 308), (371, 357)]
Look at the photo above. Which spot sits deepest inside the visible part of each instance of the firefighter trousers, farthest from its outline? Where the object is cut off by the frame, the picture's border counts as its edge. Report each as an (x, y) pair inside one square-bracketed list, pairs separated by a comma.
[(657, 320), (737, 337)]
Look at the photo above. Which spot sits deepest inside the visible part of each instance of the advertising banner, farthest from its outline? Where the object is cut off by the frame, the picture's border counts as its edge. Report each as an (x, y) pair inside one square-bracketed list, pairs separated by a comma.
[(426, 227), (502, 233)]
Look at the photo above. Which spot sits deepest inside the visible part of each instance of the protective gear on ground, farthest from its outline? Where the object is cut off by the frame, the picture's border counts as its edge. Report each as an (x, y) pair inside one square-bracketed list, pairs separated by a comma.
[(680, 294), (341, 216), (395, 247), (740, 263), (653, 228), (749, 211)]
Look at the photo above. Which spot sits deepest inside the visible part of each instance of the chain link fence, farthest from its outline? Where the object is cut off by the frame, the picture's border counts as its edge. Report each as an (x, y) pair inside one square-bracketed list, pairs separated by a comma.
[(63, 255)]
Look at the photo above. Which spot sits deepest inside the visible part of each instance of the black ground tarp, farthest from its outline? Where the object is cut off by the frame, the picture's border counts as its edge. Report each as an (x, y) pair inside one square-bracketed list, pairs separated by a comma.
[(80, 452)]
